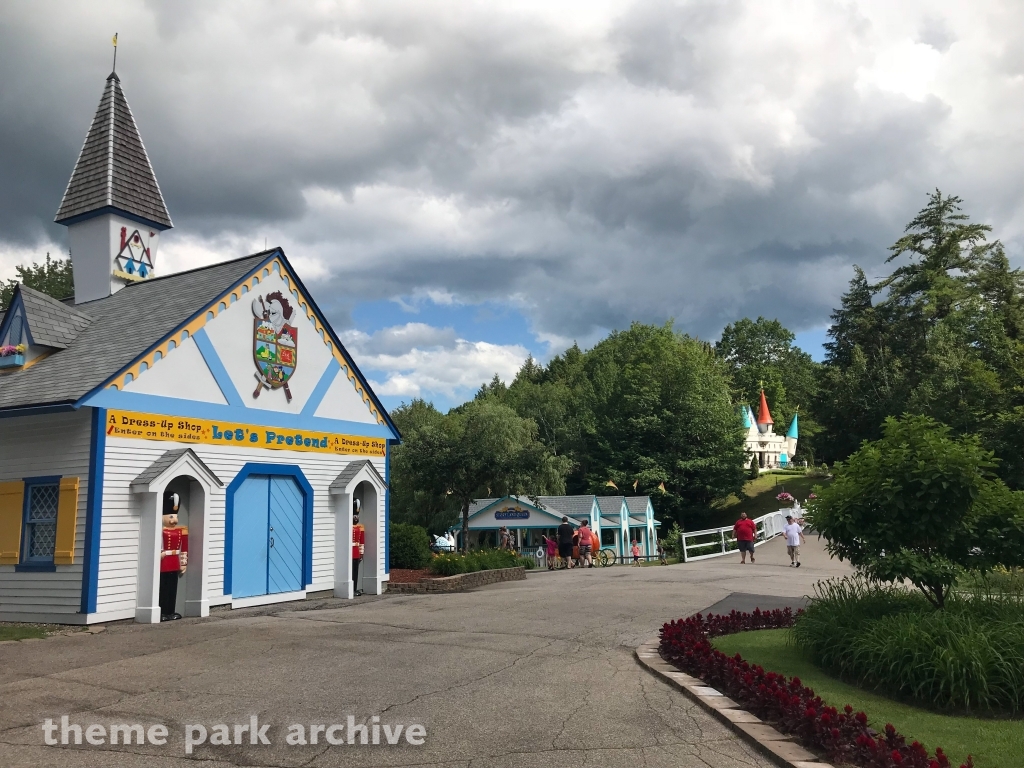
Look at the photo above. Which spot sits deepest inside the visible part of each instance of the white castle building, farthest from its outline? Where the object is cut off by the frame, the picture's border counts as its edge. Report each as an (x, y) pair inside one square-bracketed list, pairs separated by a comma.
[(762, 443)]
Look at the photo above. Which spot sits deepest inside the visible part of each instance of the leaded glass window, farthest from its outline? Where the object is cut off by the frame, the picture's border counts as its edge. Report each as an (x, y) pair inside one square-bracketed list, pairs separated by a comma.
[(41, 521)]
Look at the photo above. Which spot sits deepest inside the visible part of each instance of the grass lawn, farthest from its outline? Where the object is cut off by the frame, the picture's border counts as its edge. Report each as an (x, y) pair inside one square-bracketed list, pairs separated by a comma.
[(758, 497), (20, 631), (993, 743)]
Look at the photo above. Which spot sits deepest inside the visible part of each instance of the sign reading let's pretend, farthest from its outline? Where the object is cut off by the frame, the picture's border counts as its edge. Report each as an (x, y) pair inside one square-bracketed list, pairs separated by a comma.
[(181, 429)]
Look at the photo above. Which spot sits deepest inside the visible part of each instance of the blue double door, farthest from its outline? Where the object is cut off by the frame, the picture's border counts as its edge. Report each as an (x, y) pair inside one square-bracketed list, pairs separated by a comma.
[(267, 536)]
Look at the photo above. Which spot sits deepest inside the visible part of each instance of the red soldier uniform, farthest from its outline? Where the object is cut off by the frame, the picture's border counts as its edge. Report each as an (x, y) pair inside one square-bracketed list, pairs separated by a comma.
[(358, 541), (358, 547), (174, 554)]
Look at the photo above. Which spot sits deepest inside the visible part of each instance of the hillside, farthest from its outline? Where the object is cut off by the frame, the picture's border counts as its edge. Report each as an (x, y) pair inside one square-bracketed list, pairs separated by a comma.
[(758, 497)]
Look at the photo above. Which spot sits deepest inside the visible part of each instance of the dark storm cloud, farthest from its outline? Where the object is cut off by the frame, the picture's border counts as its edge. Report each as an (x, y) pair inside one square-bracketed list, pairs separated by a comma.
[(701, 160)]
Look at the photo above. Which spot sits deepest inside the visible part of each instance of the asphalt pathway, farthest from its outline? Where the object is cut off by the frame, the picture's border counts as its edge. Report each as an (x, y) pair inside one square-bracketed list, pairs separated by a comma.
[(532, 673)]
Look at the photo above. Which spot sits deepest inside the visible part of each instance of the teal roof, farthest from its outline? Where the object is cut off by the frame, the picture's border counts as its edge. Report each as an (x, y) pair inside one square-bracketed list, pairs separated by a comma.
[(793, 431), (747, 423)]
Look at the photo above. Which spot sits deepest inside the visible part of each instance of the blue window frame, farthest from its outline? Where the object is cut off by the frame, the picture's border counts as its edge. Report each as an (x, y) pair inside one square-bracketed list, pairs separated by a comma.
[(14, 336), (42, 496)]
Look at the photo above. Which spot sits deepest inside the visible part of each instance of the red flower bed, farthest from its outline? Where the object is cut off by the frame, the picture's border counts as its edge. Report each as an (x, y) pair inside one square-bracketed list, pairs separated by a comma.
[(784, 702)]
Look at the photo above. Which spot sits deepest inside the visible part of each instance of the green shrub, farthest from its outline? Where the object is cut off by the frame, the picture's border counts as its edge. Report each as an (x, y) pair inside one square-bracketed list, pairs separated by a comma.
[(410, 546), (448, 565), (921, 505), (674, 541), (969, 656), (526, 562), (478, 560)]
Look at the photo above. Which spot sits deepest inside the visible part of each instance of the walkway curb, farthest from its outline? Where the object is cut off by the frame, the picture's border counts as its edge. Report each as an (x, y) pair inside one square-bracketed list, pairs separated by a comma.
[(778, 747)]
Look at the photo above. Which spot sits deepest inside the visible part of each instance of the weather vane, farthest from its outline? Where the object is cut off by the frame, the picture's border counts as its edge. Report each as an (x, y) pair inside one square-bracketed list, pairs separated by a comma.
[(115, 53)]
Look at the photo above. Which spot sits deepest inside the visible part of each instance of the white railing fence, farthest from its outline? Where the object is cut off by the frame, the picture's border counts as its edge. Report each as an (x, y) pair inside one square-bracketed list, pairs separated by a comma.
[(715, 542)]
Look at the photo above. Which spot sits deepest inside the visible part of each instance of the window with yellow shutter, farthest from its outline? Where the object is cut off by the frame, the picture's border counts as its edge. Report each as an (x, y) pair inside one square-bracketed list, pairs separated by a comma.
[(38, 522), (12, 512), (42, 498)]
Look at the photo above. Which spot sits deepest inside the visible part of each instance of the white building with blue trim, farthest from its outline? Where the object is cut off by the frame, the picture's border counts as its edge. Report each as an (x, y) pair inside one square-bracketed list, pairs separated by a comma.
[(618, 520), (225, 385), (765, 449)]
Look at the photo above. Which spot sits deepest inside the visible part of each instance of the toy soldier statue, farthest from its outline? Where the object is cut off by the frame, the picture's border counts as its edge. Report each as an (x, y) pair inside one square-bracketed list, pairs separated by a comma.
[(173, 558), (358, 546)]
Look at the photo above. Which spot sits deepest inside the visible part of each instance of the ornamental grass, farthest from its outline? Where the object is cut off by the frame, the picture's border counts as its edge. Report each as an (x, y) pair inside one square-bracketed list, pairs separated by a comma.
[(967, 657)]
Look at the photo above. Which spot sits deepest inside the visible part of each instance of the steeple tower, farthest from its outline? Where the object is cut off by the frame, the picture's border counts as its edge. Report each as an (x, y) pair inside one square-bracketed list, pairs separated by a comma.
[(764, 416), (113, 207)]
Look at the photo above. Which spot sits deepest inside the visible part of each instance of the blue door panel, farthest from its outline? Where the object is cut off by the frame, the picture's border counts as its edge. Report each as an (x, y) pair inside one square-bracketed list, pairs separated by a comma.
[(284, 563), (249, 537)]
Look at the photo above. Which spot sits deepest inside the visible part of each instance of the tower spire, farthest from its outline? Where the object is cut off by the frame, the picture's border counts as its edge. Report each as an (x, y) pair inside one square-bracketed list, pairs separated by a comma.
[(764, 416), (112, 207)]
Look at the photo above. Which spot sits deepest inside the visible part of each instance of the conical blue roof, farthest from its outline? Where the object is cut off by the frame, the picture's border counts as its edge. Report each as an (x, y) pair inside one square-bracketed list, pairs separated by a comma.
[(793, 430)]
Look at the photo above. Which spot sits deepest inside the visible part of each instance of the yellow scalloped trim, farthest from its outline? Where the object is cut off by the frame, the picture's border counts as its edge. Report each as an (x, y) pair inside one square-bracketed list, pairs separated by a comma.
[(234, 294)]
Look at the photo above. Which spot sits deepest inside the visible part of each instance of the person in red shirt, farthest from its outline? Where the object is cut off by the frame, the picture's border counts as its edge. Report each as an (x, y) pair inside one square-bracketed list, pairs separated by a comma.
[(744, 530), (358, 548)]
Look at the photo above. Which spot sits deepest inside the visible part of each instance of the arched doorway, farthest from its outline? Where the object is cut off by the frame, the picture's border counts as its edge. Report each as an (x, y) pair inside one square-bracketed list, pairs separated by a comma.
[(268, 534), (369, 569), (361, 481), (181, 472)]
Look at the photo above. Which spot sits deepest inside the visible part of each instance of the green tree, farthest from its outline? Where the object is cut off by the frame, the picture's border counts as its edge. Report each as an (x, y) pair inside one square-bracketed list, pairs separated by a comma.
[(942, 335), (663, 414), (480, 449), (54, 277), (760, 354), (922, 506), (410, 503)]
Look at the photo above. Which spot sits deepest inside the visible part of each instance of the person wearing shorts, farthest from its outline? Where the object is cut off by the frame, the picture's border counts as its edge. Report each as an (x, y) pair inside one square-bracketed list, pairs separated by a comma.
[(564, 535), (794, 536), (585, 545), (744, 531), (634, 549)]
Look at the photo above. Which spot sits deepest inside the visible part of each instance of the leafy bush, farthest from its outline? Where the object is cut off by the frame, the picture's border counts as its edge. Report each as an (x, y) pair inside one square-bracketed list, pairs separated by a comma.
[(921, 506), (526, 562), (674, 541), (969, 656), (784, 702), (448, 565), (410, 546), (479, 560)]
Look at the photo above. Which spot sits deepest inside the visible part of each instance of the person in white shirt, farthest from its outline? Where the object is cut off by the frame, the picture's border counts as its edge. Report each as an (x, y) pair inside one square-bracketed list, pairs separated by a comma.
[(794, 538)]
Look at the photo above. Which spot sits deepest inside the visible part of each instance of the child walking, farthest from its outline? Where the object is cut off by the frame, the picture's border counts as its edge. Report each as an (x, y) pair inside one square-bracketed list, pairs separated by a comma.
[(635, 550)]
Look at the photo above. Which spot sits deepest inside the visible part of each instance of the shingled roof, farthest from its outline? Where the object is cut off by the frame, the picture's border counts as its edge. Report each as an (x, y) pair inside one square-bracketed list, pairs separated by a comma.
[(345, 477), (577, 507), (113, 170), (166, 461), (637, 505), (124, 326), (51, 323)]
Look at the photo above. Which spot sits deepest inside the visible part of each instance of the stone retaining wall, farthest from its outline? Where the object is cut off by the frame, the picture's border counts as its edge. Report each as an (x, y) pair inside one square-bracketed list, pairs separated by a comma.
[(460, 582)]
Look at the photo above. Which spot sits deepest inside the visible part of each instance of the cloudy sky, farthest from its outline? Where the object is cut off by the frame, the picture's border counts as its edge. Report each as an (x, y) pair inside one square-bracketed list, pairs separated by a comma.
[(464, 183)]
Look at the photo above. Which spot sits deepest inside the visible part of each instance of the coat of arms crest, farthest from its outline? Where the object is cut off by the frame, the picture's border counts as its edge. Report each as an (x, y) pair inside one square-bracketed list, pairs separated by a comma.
[(275, 343)]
